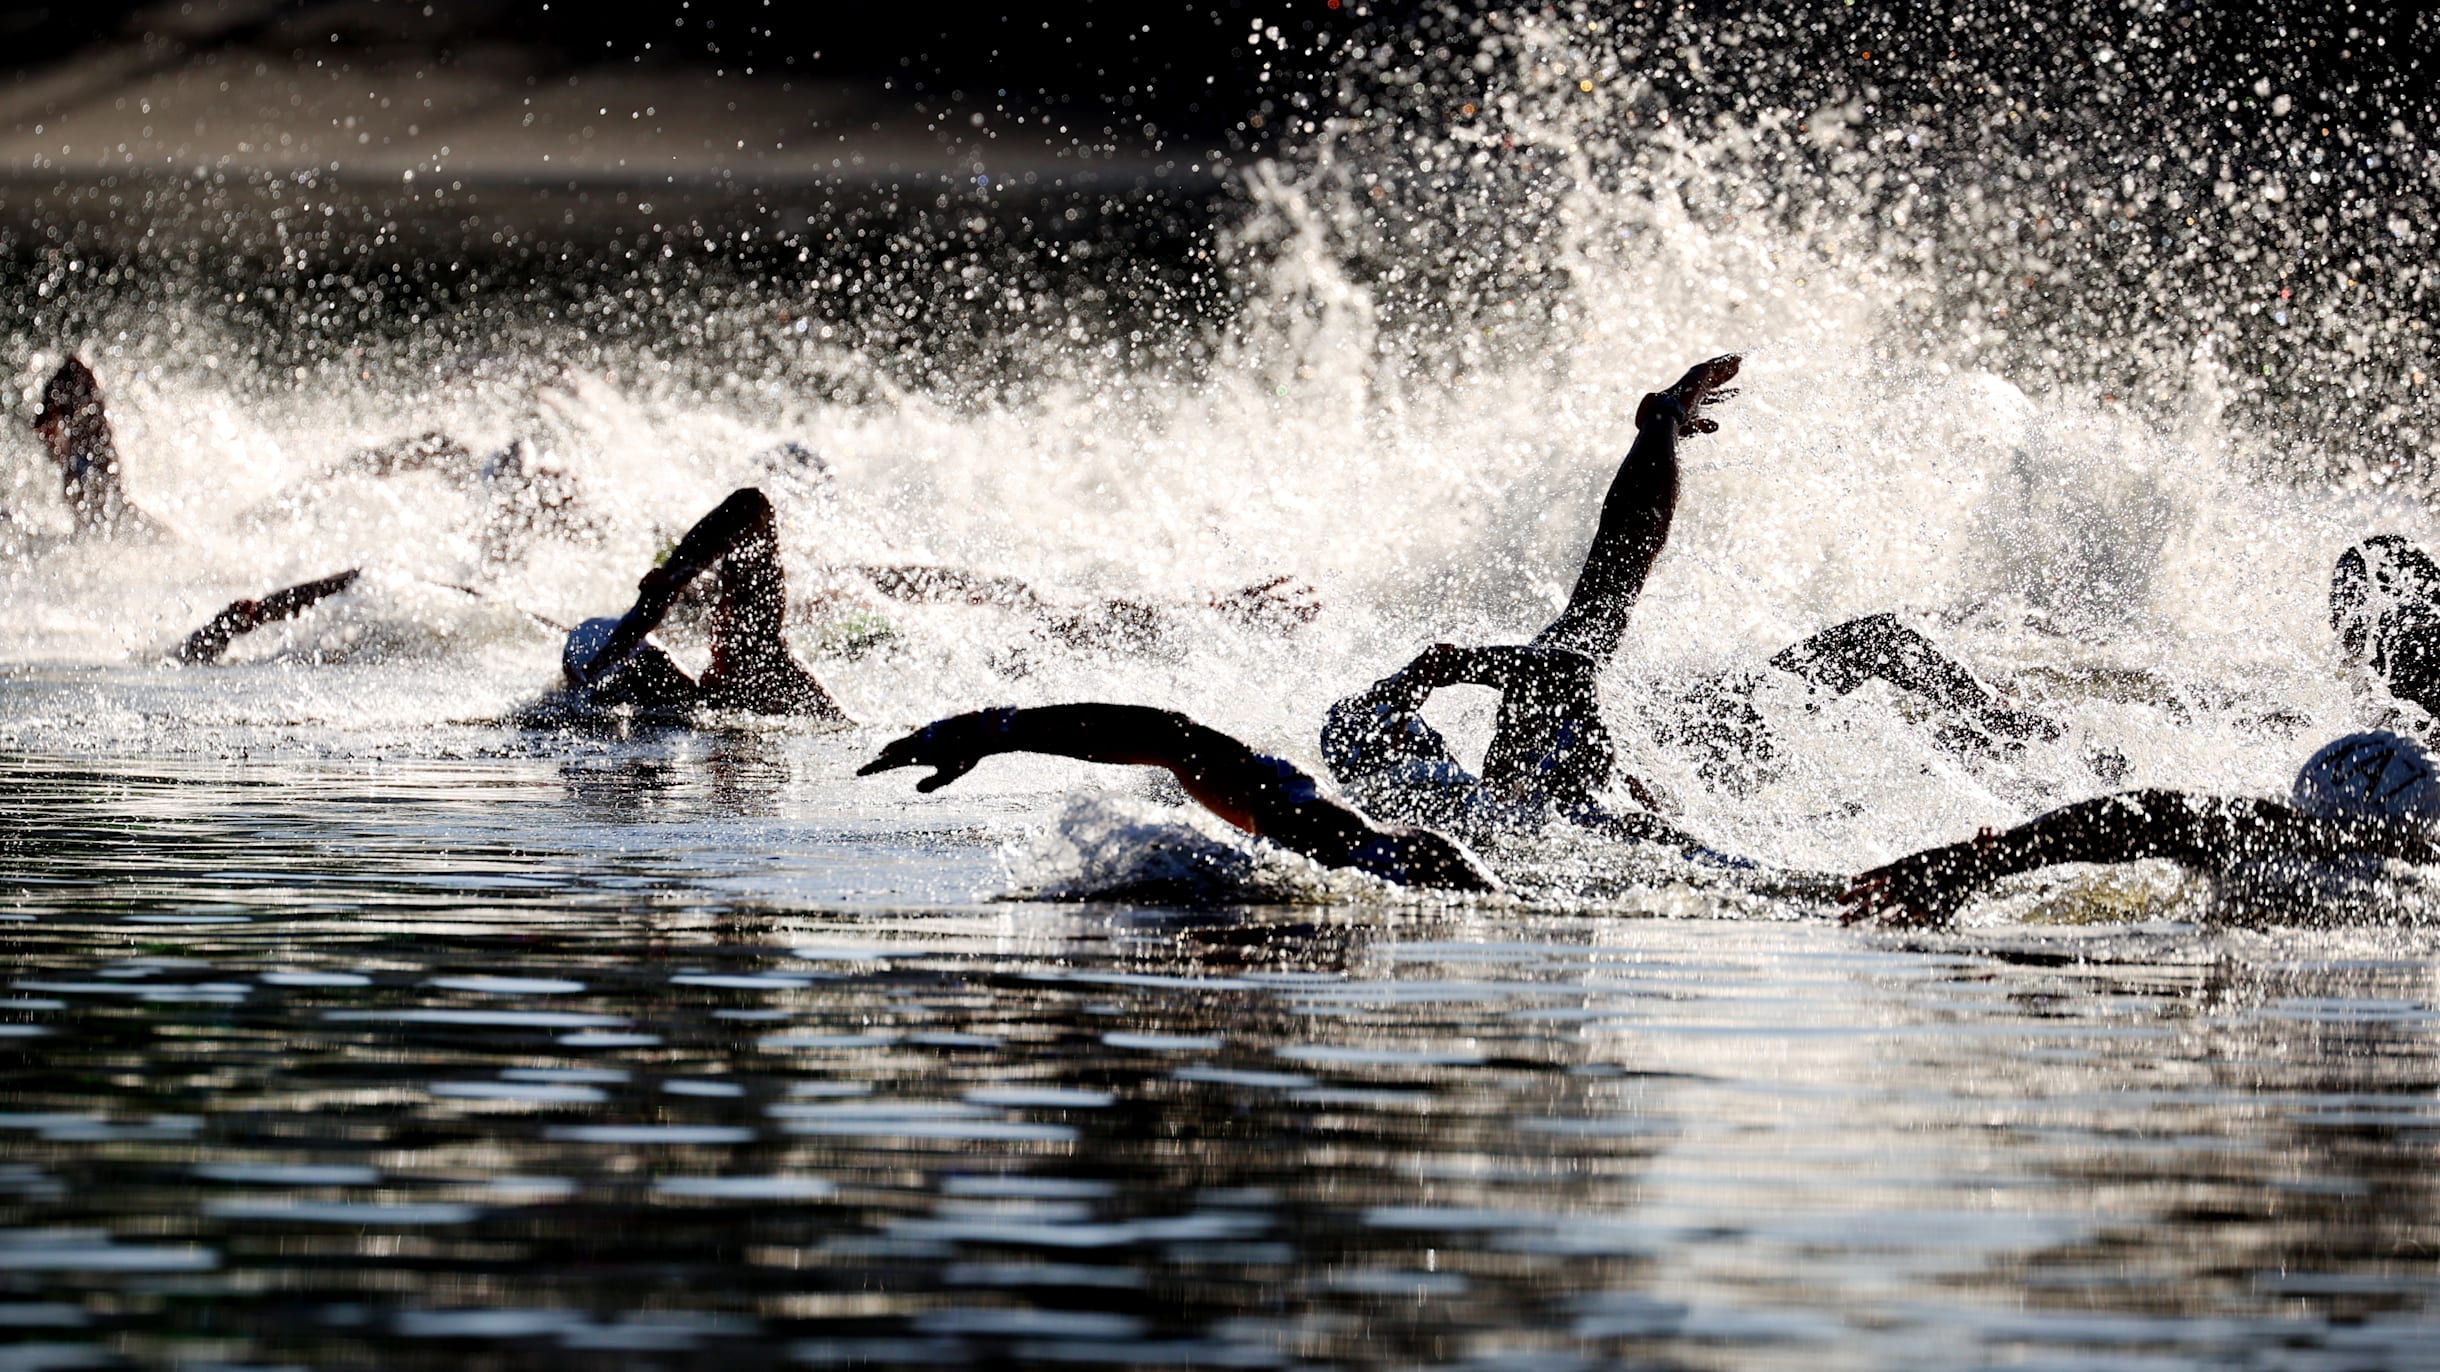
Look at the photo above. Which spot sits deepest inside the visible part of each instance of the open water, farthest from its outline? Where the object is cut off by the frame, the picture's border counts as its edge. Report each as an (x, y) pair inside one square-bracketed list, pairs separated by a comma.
[(684, 1051), (349, 1022)]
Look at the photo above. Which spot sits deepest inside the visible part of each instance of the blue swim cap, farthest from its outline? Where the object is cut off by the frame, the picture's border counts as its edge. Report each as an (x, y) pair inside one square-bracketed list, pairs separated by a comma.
[(584, 641), (2372, 775)]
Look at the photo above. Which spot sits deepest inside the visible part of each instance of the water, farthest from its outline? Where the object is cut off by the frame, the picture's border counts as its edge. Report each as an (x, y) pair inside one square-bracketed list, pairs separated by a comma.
[(668, 1050), (349, 1022)]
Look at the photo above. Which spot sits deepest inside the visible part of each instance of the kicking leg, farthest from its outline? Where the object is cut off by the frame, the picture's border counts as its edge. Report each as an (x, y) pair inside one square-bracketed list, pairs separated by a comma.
[(1635, 515), (1878, 647)]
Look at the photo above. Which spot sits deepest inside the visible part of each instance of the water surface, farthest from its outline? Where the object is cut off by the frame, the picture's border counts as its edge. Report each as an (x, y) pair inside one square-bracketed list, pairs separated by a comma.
[(682, 1049)]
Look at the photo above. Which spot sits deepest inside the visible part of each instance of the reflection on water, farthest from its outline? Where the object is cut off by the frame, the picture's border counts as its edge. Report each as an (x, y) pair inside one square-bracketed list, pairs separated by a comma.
[(658, 1055)]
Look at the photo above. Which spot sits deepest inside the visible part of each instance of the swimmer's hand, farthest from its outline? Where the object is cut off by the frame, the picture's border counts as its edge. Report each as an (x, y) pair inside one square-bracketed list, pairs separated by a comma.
[(1920, 890), (951, 747), (1442, 664), (1700, 387)]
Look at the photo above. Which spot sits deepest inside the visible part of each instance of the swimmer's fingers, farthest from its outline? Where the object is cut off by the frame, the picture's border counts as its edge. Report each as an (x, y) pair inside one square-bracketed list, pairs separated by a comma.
[(1864, 899), (1905, 894), (923, 748), (1281, 604), (948, 772)]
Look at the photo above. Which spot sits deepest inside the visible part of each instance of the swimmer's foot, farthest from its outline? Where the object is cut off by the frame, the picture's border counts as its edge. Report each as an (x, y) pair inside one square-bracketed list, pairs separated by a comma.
[(1701, 386)]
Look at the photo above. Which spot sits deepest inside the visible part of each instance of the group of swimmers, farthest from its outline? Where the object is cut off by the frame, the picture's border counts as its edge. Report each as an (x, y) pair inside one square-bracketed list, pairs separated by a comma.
[(1411, 808)]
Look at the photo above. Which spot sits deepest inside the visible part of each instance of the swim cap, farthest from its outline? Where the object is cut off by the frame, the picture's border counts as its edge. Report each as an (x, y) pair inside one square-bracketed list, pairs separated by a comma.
[(584, 641), (2373, 775)]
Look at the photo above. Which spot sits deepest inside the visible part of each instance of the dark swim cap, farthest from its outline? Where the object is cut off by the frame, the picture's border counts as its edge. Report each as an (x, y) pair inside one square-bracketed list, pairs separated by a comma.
[(2371, 775)]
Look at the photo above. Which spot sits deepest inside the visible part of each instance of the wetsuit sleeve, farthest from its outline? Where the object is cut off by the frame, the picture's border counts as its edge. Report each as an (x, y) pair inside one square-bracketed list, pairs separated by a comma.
[(1381, 728), (207, 644), (745, 512), (2204, 833)]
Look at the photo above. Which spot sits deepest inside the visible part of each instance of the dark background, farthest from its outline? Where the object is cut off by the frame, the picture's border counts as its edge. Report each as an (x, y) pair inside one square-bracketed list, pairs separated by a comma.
[(2078, 191)]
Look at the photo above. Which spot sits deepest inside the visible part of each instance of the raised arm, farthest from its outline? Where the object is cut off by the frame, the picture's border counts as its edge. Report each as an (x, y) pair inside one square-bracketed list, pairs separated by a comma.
[(1635, 516), (2205, 833), (1260, 794), (207, 644), (746, 512)]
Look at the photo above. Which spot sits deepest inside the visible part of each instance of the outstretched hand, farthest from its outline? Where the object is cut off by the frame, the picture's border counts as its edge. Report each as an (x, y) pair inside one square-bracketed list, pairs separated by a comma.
[(951, 747), (1920, 890), (1704, 384)]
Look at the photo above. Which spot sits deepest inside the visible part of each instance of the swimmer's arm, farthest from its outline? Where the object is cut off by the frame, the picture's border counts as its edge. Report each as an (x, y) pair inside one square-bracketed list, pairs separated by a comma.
[(917, 584), (1404, 691), (747, 512), (2204, 833), (431, 451), (207, 644), (1255, 793)]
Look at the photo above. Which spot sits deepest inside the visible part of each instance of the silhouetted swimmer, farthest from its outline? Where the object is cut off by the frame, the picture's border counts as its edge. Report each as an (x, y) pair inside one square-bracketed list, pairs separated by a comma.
[(1281, 605), (1263, 795), (75, 431), (2385, 609), (1551, 752), (614, 663), (207, 644), (526, 494), (1738, 752), (2365, 798)]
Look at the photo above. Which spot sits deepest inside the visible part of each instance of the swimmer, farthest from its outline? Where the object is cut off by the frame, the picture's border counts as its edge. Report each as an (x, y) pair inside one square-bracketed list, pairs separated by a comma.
[(2365, 798), (1262, 795), (526, 493), (1736, 751), (1550, 749), (1281, 605), (1551, 752), (2385, 609), (612, 663), (75, 430), (207, 644)]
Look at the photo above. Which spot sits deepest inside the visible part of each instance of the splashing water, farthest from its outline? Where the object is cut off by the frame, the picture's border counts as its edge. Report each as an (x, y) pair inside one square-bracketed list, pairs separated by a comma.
[(1403, 372)]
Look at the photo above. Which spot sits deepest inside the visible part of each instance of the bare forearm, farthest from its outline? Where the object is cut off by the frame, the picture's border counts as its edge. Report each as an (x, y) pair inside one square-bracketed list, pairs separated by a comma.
[(1122, 735), (1259, 794), (1636, 514)]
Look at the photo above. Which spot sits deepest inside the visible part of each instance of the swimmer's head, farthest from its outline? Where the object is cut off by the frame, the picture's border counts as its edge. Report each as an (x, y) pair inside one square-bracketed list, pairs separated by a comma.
[(585, 642), (2371, 775), (1411, 856), (2372, 581), (71, 397)]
